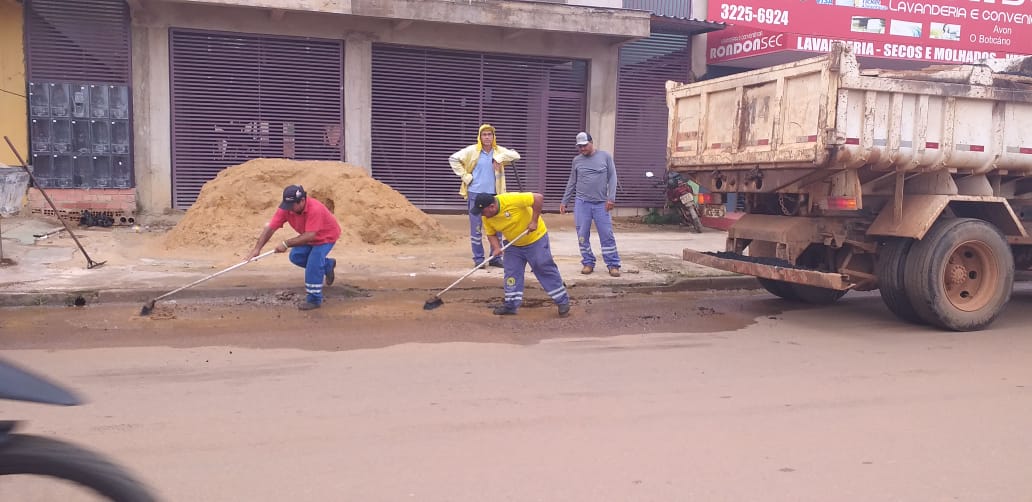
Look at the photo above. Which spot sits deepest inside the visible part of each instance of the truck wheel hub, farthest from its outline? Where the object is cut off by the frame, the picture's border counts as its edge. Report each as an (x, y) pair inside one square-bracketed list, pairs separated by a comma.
[(957, 275)]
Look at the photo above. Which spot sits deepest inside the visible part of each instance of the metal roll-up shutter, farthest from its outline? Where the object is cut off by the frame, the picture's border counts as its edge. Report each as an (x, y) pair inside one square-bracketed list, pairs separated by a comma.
[(237, 97), (86, 40), (429, 103), (566, 108), (80, 106), (641, 116)]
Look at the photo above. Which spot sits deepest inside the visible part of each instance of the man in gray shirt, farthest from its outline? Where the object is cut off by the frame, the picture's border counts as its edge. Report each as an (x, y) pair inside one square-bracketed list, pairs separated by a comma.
[(593, 176)]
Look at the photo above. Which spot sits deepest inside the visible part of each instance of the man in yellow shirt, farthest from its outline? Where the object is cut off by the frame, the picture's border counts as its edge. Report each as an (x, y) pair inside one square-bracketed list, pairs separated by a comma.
[(511, 214)]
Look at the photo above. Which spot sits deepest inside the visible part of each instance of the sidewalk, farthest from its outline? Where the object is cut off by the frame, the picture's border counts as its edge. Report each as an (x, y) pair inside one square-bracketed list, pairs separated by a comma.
[(52, 271)]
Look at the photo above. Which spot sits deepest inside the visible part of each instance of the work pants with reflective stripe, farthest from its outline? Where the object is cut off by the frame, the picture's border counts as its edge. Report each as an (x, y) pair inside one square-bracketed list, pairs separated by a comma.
[(584, 212), (539, 256), (313, 259)]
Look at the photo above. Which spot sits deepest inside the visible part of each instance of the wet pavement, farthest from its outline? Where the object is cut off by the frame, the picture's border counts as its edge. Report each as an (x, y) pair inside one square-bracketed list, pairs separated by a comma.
[(52, 271)]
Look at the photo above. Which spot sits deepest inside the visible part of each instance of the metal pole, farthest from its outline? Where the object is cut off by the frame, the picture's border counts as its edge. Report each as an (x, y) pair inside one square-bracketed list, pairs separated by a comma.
[(89, 261), (515, 172)]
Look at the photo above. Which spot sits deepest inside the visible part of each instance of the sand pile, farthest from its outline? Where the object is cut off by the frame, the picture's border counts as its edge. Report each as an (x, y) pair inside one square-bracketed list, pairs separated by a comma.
[(232, 208)]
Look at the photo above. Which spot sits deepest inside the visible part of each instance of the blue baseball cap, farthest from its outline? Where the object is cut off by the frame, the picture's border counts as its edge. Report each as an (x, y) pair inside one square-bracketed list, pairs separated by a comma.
[(291, 195)]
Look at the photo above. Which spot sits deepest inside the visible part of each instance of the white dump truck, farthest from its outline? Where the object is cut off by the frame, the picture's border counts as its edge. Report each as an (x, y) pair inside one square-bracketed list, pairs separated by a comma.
[(915, 183)]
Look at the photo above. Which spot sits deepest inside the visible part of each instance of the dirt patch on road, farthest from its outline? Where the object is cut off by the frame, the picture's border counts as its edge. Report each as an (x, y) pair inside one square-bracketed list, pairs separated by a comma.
[(232, 208), (354, 320)]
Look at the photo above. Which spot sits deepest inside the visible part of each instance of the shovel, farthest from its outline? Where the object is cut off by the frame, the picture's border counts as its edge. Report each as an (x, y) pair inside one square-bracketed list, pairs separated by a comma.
[(147, 307), (90, 264), (436, 301)]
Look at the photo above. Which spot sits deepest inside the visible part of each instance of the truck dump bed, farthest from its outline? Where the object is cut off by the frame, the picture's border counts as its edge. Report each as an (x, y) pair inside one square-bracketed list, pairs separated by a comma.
[(826, 112)]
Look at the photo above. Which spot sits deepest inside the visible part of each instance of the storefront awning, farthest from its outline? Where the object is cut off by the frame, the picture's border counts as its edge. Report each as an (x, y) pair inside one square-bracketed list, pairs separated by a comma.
[(684, 25)]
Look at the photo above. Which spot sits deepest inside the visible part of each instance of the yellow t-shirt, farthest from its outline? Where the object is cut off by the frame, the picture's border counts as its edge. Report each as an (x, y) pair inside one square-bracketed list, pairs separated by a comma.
[(514, 211)]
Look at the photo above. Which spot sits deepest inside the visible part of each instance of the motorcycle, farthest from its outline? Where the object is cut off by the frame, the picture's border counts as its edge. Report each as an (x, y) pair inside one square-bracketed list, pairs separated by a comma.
[(28, 456), (681, 198)]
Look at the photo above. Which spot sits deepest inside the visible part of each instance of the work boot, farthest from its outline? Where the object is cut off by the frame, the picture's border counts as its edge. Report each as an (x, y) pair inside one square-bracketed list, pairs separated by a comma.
[(497, 262), (564, 310), (330, 276), (587, 269), (308, 306), (505, 310), (614, 271)]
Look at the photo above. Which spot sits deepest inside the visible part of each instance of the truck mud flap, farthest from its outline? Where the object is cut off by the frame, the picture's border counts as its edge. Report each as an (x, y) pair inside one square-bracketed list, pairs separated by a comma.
[(755, 267)]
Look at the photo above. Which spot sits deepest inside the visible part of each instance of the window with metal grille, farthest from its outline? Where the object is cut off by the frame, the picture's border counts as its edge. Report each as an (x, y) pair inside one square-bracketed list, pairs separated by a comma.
[(429, 103), (79, 96), (237, 97), (641, 115)]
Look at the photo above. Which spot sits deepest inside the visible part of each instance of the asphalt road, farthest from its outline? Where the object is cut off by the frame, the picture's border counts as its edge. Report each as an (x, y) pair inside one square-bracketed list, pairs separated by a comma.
[(637, 397)]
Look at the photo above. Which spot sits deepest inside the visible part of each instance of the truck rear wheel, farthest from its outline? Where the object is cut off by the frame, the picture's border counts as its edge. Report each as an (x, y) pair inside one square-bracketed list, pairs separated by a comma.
[(777, 288), (815, 258), (960, 275), (816, 295), (892, 261)]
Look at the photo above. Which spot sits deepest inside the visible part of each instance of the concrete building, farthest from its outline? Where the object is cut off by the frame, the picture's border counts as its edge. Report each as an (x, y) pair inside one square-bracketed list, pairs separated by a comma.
[(132, 105)]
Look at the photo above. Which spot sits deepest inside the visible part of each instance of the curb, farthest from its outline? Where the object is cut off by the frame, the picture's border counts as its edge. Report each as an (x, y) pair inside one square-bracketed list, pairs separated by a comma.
[(82, 297)]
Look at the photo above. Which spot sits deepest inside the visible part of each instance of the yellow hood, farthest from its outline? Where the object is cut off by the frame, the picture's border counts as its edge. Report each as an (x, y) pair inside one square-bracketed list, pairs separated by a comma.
[(480, 146)]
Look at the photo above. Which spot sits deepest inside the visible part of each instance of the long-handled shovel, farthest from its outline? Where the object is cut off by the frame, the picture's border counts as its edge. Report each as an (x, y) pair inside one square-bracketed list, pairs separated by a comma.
[(89, 261), (147, 307), (436, 301)]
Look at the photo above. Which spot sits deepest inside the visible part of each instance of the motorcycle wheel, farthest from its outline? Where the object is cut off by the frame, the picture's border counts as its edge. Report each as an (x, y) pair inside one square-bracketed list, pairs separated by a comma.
[(691, 218), (38, 456)]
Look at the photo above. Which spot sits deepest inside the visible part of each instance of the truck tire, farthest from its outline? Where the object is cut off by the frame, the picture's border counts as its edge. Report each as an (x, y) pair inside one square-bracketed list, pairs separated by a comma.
[(777, 288), (814, 259), (960, 275), (892, 261), (816, 295)]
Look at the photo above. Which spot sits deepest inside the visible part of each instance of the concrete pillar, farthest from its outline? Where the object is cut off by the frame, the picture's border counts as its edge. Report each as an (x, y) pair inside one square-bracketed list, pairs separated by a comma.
[(601, 121), (358, 110), (152, 117), (699, 11), (699, 66)]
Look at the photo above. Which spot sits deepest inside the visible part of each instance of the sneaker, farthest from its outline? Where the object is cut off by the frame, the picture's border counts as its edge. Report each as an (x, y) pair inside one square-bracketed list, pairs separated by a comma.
[(329, 273), (497, 262), (587, 269), (308, 306), (564, 310), (504, 310), (614, 271)]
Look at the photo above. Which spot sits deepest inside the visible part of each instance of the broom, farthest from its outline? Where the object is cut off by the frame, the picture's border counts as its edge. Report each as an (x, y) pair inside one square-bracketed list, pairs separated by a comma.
[(436, 301)]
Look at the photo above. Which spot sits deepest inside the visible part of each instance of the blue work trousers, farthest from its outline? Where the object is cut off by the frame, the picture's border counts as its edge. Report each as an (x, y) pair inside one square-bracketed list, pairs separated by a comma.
[(539, 256), (584, 212), (313, 259), (476, 231)]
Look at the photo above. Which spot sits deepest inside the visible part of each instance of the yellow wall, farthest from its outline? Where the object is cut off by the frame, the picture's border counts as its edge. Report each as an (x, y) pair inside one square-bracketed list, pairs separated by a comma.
[(13, 105)]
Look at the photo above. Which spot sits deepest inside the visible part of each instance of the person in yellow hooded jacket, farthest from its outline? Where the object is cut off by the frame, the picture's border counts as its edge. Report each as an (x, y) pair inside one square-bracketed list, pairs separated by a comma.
[(481, 167)]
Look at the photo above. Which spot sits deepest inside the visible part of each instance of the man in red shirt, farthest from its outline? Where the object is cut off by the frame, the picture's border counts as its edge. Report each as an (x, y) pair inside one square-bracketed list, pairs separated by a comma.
[(319, 231)]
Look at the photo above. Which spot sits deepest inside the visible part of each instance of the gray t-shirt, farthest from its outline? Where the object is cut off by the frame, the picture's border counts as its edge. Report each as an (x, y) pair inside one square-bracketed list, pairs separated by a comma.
[(593, 177)]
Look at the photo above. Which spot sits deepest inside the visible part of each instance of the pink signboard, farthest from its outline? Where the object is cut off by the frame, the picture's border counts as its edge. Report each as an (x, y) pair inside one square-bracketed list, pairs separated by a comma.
[(952, 31)]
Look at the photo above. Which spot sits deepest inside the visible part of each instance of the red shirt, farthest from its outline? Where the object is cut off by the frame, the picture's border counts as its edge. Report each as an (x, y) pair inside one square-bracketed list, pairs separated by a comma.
[(315, 218)]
